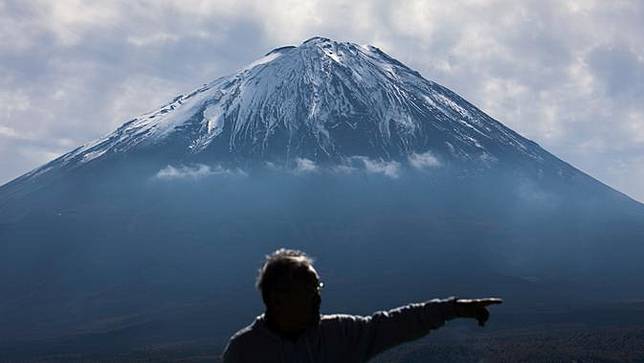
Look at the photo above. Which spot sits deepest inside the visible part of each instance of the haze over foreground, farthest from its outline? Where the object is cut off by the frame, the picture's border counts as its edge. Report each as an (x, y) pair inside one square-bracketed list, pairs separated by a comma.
[(147, 241)]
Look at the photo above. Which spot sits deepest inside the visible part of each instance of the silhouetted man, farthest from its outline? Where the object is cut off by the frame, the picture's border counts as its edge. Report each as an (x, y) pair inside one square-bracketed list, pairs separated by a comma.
[(292, 329)]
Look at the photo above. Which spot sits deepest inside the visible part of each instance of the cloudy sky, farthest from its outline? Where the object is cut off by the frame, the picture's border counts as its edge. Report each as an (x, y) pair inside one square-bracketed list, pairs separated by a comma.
[(566, 74)]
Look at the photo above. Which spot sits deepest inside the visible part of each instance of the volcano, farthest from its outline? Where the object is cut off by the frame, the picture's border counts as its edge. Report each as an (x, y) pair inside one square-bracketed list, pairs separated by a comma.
[(324, 101), (401, 188)]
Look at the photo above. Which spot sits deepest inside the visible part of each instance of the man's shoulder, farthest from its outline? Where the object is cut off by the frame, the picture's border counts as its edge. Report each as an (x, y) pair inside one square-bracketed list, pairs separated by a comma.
[(244, 333), (247, 336), (247, 333)]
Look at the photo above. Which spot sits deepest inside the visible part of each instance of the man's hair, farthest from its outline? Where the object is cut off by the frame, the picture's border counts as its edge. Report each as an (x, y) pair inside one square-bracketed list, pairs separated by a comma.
[(280, 269)]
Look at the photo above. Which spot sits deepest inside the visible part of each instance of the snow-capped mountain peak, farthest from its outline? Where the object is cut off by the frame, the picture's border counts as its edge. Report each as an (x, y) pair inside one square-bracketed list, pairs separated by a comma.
[(322, 100)]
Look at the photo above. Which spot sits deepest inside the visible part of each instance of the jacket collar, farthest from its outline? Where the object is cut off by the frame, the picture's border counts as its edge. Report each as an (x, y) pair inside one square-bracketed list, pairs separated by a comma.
[(261, 325)]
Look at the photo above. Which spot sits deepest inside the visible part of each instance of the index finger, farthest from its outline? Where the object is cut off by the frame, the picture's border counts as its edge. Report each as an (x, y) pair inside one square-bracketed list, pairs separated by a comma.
[(490, 301), (484, 301)]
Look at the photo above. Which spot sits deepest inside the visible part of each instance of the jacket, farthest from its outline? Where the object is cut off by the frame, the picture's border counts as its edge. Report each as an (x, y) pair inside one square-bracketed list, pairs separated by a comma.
[(339, 337)]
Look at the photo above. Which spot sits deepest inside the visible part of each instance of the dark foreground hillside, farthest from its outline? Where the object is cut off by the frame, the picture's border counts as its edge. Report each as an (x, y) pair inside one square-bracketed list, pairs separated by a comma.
[(607, 333)]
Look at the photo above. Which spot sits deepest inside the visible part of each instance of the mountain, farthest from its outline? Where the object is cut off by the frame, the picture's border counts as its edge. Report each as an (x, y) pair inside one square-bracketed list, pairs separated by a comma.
[(402, 189), (324, 101)]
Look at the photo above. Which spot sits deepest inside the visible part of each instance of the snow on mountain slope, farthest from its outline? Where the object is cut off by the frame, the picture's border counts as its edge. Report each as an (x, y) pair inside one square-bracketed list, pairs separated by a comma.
[(324, 101)]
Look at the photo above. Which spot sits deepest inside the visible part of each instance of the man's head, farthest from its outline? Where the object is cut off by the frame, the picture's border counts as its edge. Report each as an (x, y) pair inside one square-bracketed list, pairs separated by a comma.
[(290, 288)]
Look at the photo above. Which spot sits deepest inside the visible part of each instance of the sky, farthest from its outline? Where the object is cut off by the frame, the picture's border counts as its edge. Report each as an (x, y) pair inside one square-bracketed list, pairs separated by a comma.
[(568, 75)]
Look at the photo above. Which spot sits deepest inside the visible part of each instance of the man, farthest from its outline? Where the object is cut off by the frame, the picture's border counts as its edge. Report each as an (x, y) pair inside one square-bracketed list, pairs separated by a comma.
[(292, 329)]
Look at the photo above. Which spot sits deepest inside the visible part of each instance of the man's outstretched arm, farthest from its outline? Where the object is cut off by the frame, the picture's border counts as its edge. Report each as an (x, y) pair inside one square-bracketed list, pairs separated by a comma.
[(374, 334)]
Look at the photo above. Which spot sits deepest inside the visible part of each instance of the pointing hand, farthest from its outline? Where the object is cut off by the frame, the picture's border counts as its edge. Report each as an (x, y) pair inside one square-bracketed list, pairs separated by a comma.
[(475, 308)]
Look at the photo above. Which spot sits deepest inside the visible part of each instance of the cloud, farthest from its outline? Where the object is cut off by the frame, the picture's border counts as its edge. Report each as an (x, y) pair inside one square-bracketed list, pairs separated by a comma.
[(351, 165), (387, 168), (9, 133), (194, 172), (423, 161), (303, 165), (618, 70)]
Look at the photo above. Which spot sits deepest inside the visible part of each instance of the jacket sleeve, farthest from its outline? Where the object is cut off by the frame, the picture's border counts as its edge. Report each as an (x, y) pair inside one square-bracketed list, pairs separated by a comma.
[(370, 335)]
